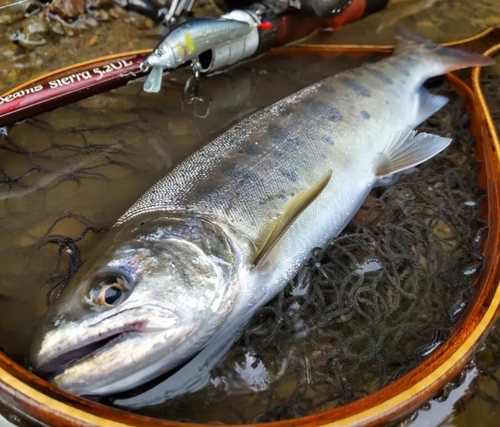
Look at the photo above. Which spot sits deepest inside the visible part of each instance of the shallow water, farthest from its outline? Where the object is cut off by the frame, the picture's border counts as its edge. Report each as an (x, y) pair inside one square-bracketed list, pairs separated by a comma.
[(92, 159)]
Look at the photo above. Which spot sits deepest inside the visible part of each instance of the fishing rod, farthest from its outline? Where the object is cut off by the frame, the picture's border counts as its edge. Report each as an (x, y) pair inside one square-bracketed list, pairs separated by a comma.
[(79, 81), (269, 25), (261, 27)]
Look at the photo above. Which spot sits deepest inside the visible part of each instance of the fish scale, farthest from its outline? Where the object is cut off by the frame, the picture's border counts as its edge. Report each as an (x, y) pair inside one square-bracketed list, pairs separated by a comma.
[(224, 231), (314, 113)]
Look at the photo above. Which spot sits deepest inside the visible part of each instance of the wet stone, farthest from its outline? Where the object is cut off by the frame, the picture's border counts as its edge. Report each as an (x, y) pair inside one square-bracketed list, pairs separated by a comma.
[(33, 32), (10, 50), (93, 41), (100, 4), (6, 19), (68, 9)]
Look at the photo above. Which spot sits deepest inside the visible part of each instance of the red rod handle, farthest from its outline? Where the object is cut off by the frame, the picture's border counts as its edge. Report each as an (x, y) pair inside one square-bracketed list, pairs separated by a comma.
[(68, 85)]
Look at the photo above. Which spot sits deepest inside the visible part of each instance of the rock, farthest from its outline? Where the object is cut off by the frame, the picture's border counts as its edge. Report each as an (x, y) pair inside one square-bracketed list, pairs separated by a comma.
[(36, 25), (100, 4), (68, 9), (103, 15), (140, 22), (6, 19), (492, 21), (57, 28), (93, 41), (117, 11), (11, 50), (32, 33)]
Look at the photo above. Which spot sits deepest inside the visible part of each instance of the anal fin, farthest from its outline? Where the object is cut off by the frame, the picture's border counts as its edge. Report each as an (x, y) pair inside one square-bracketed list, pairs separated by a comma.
[(295, 207), (408, 149), (428, 104)]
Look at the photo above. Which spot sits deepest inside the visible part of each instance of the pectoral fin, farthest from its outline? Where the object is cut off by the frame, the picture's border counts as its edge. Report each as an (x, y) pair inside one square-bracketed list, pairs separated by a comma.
[(297, 205), (408, 149)]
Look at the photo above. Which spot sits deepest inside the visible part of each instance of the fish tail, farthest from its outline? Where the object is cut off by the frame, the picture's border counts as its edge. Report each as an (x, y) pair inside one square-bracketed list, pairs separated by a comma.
[(444, 59)]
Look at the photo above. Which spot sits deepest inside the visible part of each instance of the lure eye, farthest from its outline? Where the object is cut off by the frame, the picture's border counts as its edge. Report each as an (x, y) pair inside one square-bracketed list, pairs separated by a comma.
[(109, 291)]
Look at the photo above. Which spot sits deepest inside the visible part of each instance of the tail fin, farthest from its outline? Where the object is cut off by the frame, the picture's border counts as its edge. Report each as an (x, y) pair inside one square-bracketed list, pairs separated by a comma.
[(448, 58)]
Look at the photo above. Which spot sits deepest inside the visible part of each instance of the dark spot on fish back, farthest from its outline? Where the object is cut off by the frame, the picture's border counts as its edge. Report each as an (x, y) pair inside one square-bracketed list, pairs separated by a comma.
[(416, 55), (279, 134), (355, 87), (252, 148), (326, 88), (291, 175), (380, 75), (323, 109), (327, 139), (400, 67), (365, 114), (241, 175), (285, 110), (240, 172)]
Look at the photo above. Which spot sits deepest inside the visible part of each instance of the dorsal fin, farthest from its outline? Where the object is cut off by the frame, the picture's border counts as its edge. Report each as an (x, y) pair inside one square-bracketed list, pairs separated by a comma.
[(293, 210)]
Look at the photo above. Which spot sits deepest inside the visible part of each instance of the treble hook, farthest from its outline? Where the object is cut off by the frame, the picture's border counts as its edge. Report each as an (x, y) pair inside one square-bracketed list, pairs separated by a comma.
[(192, 96)]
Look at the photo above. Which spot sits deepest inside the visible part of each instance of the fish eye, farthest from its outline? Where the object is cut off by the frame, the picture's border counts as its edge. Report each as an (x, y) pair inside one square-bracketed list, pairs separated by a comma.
[(109, 291)]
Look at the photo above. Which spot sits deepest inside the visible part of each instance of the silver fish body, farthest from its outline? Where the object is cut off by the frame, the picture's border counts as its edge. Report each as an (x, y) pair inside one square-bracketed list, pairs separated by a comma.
[(186, 257)]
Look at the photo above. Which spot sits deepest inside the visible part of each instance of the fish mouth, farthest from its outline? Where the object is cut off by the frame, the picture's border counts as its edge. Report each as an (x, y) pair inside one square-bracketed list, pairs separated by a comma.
[(78, 341), (104, 352), (58, 363)]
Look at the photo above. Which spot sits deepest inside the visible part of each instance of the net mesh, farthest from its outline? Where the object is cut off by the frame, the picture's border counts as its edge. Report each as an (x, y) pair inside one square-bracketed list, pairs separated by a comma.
[(483, 396)]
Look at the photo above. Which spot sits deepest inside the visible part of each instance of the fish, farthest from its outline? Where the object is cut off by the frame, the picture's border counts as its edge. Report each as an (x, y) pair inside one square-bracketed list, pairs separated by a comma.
[(224, 231)]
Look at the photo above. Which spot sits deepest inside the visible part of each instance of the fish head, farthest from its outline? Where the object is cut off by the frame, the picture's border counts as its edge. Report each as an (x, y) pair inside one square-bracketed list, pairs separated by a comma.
[(167, 55), (151, 296)]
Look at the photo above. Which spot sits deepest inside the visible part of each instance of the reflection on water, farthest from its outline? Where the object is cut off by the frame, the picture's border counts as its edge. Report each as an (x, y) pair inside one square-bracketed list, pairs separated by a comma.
[(440, 20)]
